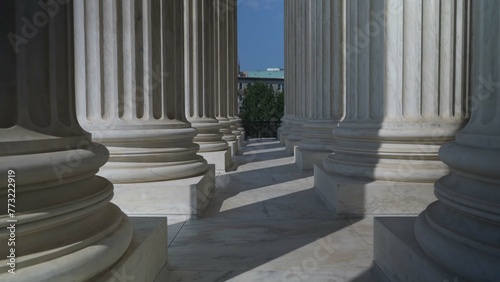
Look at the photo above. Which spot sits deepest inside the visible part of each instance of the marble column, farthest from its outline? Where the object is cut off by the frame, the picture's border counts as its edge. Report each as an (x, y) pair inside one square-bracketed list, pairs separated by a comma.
[(301, 38), (238, 129), (224, 10), (405, 96), (61, 226), (461, 231), (130, 95), (199, 90), (284, 129), (326, 87)]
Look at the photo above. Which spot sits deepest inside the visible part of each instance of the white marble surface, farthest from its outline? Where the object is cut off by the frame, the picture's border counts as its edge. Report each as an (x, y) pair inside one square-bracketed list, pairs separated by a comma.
[(347, 196), (266, 223)]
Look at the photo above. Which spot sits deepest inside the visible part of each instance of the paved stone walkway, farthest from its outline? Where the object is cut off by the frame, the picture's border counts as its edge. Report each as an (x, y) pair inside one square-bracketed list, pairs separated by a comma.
[(266, 223)]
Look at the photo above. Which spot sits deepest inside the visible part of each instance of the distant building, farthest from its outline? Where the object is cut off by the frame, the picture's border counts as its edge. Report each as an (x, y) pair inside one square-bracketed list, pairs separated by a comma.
[(274, 77)]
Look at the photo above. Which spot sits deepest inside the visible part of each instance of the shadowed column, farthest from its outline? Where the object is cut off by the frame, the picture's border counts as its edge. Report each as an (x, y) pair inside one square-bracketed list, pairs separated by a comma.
[(65, 227), (461, 231)]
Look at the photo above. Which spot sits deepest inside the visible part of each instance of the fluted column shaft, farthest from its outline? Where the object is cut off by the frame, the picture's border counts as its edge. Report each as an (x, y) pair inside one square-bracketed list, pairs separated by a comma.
[(130, 90), (405, 89), (326, 80), (198, 66), (300, 39), (461, 231), (65, 227), (222, 15), (284, 129)]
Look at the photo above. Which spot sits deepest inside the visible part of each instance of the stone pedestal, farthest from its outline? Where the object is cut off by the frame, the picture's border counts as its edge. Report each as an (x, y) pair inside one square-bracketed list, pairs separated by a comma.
[(186, 196), (405, 98), (398, 254), (146, 255), (294, 137), (130, 91), (60, 225), (350, 196)]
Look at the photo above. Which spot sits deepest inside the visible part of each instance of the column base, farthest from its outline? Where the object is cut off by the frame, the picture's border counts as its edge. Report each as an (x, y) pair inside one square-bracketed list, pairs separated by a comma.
[(358, 197), (186, 196), (281, 138), (306, 159), (146, 255), (398, 254), (234, 147), (221, 159), (290, 146), (241, 141)]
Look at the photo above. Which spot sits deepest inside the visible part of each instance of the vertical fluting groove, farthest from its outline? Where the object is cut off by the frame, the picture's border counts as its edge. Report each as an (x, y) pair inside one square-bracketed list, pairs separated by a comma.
[(393, 55), (129, 59), (199, 59), (155, 93), (139, 60), (70, 66), (110, 76), (335, 60), (363, 62), (92, 61), (53, 69), (189, 44), (430, 56), (445, 58), (343, 58), (307, 60), (147, 58), (326, 55), (79, 43), (352, 54), (179, 67), (467, 74), (120, 59), (209, 59), (102, 56), (377, 67), (411, 60)]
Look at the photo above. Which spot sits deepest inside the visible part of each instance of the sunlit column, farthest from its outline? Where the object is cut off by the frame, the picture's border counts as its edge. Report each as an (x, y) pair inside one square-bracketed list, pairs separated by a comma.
[(130, 90), (326, 82), (64, 225), (199, 90), (405, 96), (223, 13), (302, 26)]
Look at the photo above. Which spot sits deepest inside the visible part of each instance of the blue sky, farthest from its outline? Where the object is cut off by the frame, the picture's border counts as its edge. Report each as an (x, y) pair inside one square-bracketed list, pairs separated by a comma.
[(260, 34)]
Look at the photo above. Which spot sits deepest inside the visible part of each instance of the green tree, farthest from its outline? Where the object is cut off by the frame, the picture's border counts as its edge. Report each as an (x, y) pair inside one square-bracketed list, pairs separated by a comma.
[(262, 103)]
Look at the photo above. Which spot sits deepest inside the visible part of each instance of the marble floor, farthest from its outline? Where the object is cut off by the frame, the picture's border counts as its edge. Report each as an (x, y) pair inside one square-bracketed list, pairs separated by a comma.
[(265, 222)]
